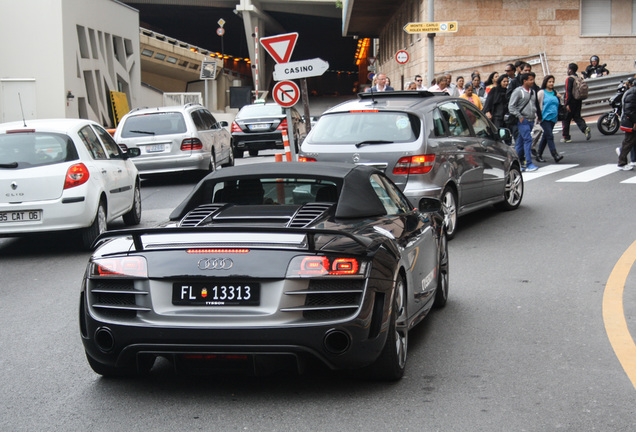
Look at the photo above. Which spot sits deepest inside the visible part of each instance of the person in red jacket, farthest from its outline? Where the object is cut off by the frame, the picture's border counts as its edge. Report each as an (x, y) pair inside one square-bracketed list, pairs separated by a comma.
[(573, 107)]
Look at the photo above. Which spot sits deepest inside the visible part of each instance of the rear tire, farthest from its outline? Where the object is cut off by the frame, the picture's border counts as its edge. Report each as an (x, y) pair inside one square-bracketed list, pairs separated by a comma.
[(238, 153), (391, 364), (441, 293), (253, 153), (449, 209), (133, 217), (97, 227), (230, 161)]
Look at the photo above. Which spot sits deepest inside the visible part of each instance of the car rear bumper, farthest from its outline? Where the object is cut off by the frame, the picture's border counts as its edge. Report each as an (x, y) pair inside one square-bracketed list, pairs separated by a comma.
[(65, 213), (166, 164), (353, 342), (265, 141)]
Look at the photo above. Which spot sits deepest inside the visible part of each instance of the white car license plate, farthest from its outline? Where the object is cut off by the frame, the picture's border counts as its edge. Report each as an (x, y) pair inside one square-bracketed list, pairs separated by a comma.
[(155, 148), (21, 216), (259, 126)]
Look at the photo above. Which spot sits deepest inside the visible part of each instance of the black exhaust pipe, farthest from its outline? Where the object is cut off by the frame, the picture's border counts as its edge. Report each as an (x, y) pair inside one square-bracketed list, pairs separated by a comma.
[(337, 341), (104, 339)]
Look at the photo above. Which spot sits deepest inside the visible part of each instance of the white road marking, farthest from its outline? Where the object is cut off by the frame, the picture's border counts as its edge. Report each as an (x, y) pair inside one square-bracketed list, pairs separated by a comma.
[(546, 170), (591, 174)]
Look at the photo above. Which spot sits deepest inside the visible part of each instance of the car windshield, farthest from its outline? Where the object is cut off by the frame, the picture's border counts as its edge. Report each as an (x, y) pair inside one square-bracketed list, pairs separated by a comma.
[(250, 111), (372, 127), (267, 191), (160, 123), (33, 149)]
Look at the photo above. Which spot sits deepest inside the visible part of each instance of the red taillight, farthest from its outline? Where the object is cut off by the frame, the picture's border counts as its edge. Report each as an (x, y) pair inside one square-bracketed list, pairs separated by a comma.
[(76, 175), (306, 159), (235, 127), (191, 144), (420, 164), (325, 266), (314, 265), (132, 266), (282, 125), (344, 266), (216, 250)]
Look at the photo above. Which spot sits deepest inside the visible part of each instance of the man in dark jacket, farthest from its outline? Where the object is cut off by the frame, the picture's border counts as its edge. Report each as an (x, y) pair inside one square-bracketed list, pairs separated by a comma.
[(573, 107), (628, 124)]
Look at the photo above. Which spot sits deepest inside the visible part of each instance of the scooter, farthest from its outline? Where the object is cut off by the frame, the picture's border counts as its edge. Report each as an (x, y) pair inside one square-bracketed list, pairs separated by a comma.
[(609, 123)]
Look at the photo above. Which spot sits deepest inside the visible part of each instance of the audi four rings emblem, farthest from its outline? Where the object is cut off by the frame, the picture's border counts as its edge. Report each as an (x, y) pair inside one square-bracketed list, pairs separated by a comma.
[(215, 264)]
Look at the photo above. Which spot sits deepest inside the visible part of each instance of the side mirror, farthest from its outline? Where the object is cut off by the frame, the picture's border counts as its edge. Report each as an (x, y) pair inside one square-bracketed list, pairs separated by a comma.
[(430, 205), (224, 123), (504, 135), (133, 152)]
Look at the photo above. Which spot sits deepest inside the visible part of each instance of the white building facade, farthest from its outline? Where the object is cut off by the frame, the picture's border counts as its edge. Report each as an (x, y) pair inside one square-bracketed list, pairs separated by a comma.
[(62, 58)]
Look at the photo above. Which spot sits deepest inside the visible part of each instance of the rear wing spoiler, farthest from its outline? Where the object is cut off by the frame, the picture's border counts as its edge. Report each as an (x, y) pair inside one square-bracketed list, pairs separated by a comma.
[(310, 233)]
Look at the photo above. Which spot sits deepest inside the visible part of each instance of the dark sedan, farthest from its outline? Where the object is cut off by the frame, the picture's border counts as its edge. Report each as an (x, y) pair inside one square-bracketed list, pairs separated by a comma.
[(259, 127), (266, 265)]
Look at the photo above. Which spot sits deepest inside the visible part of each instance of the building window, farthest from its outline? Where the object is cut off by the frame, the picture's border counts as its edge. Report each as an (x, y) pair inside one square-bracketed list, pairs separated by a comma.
[(608, 17)]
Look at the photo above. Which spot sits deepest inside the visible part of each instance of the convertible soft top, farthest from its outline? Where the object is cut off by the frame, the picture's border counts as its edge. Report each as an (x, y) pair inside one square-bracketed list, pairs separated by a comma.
[(355, 187)]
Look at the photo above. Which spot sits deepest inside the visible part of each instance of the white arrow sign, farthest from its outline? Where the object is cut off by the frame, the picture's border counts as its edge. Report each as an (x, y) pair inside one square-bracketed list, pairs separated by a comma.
[(300, 69)]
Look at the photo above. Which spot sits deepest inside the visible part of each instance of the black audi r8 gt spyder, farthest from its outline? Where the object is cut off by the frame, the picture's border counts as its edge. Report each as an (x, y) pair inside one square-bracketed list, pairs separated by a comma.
[(269, 264)]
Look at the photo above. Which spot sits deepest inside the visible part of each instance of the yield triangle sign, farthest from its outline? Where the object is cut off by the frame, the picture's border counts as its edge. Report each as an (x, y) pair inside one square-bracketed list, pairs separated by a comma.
[(280, 47)]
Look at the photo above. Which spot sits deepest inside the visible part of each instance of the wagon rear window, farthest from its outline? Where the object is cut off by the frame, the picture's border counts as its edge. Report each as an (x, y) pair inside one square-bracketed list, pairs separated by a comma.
[(355, 127)]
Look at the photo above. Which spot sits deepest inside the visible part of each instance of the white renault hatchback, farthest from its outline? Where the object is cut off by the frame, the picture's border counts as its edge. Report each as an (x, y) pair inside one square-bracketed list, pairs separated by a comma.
[(64, 174)]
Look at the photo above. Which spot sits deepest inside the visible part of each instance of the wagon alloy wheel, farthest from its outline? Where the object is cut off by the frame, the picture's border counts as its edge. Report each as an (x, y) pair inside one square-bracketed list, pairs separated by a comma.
[(449, 207), (230, 159), (392, 361), (513, 190), (441, 294)]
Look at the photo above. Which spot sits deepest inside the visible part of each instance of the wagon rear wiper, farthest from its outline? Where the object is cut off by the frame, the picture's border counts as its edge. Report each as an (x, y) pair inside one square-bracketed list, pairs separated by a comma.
[(360, 144), (142, 132), (9, 165)]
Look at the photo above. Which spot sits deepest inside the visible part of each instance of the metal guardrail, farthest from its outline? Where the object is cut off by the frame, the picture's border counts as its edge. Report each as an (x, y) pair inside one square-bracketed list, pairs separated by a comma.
[(600, 90)]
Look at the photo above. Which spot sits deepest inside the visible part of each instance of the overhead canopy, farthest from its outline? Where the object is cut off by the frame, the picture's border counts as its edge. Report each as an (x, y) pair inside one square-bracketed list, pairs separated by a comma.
[(366, 18)]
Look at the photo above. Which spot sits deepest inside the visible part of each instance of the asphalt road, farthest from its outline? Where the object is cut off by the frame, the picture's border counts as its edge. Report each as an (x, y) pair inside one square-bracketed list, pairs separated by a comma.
[(521, 346)]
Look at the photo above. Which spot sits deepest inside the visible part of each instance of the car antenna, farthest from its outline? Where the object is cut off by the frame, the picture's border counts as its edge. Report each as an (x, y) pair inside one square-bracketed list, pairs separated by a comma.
[(22, 110), (373, 102)]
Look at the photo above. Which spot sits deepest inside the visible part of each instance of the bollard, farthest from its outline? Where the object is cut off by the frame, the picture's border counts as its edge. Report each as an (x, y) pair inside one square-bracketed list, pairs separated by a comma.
[(278, 157), (286, 145)]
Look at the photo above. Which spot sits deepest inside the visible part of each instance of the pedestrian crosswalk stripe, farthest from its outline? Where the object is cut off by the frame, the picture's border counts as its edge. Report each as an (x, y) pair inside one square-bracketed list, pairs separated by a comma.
[(591, 174), (546, 170), (630, 180)]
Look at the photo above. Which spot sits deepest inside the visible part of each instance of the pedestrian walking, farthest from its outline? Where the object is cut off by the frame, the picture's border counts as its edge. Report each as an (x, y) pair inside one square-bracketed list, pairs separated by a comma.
[(628, 125), (573, 103), (496, 106), (523, 106), (470, 96), (419, 82), (381, 84), (548, 100)]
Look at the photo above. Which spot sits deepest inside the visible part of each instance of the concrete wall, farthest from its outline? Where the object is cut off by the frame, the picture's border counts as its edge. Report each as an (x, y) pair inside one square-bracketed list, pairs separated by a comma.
[(87, 47), (31, 48)]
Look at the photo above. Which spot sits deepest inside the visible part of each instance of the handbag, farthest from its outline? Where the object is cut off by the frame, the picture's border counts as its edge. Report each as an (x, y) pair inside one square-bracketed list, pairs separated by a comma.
[(561, 113)]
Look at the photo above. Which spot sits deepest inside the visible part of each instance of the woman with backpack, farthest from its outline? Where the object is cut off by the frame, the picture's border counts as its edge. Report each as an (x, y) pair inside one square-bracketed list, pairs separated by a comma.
[(575, 93)]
